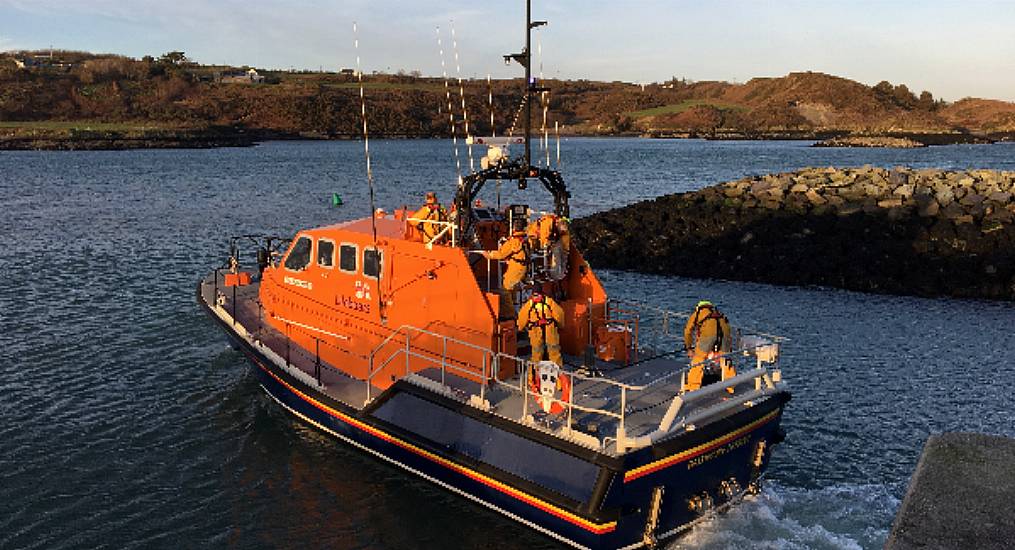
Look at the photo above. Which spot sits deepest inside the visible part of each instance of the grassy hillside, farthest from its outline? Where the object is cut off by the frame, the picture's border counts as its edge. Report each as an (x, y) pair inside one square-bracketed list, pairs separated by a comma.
[(111, 93)]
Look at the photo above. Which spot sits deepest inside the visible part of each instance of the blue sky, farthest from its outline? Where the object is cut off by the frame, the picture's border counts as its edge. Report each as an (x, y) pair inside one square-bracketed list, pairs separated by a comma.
[(954, 49)]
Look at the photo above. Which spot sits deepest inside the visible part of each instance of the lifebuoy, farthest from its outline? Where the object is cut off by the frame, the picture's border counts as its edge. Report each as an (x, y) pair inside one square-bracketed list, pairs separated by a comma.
[(551, 387)]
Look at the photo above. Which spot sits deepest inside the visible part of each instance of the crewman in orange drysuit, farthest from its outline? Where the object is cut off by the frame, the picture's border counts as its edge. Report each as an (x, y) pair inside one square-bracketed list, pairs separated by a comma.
[(549, 229), (543, 318), (550, 234), (428, 216), (707, 336), (515, 251)]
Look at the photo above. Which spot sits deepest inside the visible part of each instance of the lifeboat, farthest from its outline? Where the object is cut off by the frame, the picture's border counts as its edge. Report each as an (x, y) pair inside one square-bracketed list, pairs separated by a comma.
[(395, 335)]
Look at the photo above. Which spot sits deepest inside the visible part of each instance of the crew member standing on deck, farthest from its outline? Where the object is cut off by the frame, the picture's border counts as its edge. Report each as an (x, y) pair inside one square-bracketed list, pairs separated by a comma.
[(707, 337), (514, 251), (428, 218), (543, 318)]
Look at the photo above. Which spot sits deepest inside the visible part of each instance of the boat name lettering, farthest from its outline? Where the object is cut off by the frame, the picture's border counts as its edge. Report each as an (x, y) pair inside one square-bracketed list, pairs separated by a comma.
[(299, 282), (715, 453), (350, 303)]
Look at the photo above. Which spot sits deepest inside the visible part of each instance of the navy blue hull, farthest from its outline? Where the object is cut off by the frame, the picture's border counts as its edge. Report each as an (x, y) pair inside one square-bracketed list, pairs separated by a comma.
[(614, 512)]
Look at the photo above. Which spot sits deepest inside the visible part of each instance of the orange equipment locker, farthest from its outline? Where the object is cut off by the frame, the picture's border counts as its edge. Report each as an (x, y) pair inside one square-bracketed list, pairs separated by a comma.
[(613, 343)]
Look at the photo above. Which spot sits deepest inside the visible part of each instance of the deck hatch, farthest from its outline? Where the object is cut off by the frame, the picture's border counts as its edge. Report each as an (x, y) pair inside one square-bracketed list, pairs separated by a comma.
[(547, 467)]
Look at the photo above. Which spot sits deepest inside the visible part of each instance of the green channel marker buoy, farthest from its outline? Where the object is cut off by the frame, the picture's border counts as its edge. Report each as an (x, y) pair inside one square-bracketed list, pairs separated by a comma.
[(336, 200)]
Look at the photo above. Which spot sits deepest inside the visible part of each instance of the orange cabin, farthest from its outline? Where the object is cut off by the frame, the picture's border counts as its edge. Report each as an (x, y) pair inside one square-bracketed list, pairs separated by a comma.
[(335, 294)]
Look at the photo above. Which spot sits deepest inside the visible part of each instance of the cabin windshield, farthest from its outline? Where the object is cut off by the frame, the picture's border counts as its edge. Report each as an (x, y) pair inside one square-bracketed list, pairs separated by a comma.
[(299, 255)]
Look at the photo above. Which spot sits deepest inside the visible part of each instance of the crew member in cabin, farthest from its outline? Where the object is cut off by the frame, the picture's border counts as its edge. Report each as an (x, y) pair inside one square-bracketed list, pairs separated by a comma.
[(707, 337), (543, 318), (515, 252), (429, 217)]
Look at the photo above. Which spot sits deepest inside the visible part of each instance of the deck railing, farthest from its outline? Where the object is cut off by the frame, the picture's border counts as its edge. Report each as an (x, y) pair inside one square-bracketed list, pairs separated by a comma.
[(749, 361), (448, 229)]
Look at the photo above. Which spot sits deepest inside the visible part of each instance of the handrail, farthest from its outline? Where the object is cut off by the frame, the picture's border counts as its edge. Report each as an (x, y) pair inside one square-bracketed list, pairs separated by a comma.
[(489, 369), (667, 314), (447, 226), (315, 329), (407, 329)]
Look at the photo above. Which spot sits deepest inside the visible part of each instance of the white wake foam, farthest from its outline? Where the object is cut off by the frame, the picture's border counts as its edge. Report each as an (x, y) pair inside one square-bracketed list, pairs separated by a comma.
[(840, 517)]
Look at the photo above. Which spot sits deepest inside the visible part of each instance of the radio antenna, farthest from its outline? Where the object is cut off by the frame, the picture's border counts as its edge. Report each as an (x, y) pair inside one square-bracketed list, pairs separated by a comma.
[(489, 88), (370, 172), (556, 130), (451, 112), (461, 93)]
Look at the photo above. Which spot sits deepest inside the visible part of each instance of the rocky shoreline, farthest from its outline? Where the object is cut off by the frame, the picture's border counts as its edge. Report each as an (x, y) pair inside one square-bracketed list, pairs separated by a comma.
[(900, 231), (78, 139), (871, 141), (826, 138)]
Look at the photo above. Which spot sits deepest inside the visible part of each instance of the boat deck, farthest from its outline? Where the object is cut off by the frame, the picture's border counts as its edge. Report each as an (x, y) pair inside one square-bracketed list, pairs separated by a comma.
[(640, 411)]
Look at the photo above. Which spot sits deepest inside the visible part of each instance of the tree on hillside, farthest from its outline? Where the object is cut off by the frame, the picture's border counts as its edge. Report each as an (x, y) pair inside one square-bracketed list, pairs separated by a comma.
[(903, 97), (926, 101), (899, 95), (174, 58)]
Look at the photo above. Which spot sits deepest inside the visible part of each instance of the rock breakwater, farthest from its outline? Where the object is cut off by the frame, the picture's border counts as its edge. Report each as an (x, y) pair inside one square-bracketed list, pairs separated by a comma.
[(871, 141), (900, 231)]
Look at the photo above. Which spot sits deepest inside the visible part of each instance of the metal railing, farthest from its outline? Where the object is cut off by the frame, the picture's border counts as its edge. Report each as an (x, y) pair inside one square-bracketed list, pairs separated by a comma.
[(661, 330), (747, 361), (421, 353), (447, 228)]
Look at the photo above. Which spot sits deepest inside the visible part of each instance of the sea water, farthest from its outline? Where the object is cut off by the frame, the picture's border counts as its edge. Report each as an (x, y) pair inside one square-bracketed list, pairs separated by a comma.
[(126, 421)]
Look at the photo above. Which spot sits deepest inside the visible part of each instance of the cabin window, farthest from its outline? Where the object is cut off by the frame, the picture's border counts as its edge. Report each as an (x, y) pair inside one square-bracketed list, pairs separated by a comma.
[(325, 253), (347, 258), (372, 262), (299, 255)]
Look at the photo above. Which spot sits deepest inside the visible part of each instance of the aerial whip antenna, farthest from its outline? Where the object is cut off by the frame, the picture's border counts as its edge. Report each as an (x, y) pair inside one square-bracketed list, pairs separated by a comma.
[(489, 88), (545, 138), (556, 130), (461, 93), (451, 112), (370, 172)]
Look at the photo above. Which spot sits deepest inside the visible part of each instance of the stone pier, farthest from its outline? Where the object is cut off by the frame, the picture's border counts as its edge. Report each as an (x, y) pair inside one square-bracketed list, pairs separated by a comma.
[(961, 496)]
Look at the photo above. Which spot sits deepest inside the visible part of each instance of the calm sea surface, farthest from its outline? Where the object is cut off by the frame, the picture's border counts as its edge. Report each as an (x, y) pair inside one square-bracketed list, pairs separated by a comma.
[(126, 421)]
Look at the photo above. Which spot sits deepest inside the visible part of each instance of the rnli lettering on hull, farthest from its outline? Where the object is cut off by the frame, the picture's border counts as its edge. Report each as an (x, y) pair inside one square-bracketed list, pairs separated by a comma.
[(299, 282)]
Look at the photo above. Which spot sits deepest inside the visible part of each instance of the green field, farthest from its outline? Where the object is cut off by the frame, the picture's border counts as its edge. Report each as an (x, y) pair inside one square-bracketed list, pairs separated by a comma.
[(684, 105)]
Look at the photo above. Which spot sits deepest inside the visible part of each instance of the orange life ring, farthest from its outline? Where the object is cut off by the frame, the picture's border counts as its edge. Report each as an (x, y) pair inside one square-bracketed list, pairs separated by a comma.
[(555, 405)]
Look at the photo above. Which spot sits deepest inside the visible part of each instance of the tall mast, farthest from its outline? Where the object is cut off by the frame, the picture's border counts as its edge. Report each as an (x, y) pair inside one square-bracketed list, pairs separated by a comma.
[(528, 81), (525, 59)]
